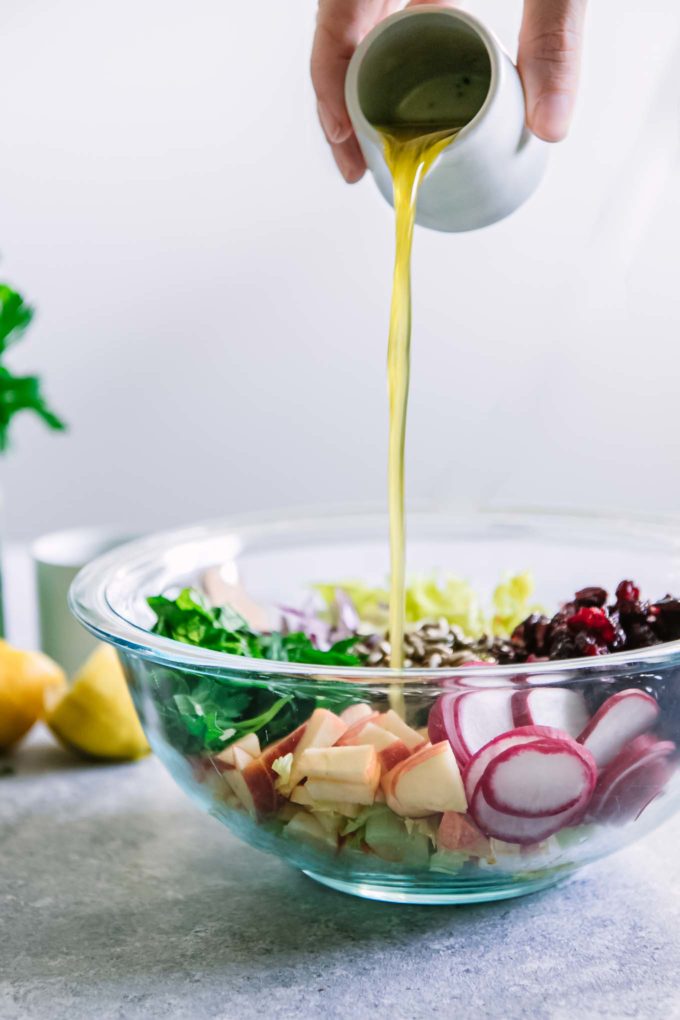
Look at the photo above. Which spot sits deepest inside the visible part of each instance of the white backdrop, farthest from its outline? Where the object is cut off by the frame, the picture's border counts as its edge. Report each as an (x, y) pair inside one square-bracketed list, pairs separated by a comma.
[(213, 299)]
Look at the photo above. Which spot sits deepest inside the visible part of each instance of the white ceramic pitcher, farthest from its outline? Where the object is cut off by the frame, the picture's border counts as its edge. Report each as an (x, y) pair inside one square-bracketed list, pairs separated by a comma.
[(441, 65)]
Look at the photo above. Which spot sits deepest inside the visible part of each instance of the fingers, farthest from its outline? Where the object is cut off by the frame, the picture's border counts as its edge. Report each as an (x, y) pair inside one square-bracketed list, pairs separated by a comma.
[(341, 25), (549, 61), (330, 56), (439, 3), (349, 159)]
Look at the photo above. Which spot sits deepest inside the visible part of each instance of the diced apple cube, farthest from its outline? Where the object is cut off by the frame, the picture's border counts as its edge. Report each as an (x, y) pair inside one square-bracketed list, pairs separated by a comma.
[(355, 713), (393, 754), (322, 729), (334, 792), (234, 778), (427, 782), (375, 735), (250, 744), (353, 732), (356, 764), (300, 795), (286, 745), (252, 783), (458, 832), (396, 725)]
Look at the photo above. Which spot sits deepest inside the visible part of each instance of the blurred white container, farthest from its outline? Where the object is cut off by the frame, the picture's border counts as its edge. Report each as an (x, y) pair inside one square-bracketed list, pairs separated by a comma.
[(441, 66), (58, 557)]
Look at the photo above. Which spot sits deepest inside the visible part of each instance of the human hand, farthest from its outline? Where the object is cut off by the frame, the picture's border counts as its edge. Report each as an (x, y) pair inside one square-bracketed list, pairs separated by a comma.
[(548, 62)]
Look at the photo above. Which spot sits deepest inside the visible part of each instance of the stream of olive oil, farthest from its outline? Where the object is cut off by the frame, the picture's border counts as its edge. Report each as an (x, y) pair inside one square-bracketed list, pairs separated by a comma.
[(409, 153)]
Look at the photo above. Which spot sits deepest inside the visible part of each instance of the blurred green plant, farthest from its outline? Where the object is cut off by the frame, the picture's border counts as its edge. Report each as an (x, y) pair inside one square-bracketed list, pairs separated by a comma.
[(18, 393)]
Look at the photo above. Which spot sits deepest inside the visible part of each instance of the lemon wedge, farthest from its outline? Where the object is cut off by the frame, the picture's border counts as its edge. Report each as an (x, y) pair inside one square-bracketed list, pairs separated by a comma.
[(95, 715), (25, 677)]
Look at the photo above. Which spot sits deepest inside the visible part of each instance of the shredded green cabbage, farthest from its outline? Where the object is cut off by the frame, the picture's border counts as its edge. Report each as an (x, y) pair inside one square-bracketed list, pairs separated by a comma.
[(282, 767), (450, 597), (511, 603)]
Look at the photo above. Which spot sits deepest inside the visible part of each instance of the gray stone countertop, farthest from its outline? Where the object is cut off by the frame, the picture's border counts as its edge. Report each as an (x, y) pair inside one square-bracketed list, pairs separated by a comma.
[(120, 899)]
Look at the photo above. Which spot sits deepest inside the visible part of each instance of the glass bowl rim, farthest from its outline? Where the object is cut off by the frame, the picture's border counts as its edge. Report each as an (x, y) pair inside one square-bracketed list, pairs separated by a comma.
[(89, 603)]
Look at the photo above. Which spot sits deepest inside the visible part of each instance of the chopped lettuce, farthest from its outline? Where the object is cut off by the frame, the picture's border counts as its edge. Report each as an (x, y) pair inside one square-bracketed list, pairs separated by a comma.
[(282, 767), (448, 861), (452, 598), (430, 598), (511, 603), (404, 840), (371, 604), (353, 825), (426, 598), (424, 827)]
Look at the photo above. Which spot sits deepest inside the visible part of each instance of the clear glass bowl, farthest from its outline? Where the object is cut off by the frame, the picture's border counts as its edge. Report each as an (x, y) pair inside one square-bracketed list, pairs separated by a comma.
[(382, 853)]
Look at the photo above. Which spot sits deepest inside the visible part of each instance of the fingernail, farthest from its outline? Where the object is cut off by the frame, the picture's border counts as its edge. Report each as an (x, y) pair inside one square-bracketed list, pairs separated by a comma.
[(334, 130), (551, 116)]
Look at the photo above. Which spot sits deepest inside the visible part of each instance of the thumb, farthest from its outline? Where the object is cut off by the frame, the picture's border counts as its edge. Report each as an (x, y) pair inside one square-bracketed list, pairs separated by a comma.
[(549, 60)]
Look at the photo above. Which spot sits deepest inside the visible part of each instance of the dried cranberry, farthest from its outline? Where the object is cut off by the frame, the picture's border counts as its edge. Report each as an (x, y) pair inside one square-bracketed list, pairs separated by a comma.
[(592, 596), (627, 591), (595, 620), (590, 644), (640, 635), (586, 626), (564, 646), (666, 614)]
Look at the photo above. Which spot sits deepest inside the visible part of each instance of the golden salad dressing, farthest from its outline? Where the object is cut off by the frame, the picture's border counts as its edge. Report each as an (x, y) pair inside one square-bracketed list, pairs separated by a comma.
[(409, 152)]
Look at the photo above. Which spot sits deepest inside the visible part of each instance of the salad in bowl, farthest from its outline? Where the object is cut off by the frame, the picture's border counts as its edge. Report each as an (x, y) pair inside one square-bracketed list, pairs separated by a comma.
[(534, 727)]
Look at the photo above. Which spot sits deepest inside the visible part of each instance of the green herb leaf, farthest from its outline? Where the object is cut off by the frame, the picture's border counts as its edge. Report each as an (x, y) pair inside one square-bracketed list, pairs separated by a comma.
[(189, 619), (205, 714), (18, 393), (15, 316)]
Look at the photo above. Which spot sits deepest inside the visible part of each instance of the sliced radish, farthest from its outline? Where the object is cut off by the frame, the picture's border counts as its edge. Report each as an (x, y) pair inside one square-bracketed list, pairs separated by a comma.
[(441, 724), (478, 717), (632, 780), (440, 720), (516, 829), (539, 779), (559, 707), (620, 719), (476, 767)]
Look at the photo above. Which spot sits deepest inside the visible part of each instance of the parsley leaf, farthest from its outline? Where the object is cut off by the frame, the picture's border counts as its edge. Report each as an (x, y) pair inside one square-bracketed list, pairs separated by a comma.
[(18, 393), (189, 619), (204, 713)]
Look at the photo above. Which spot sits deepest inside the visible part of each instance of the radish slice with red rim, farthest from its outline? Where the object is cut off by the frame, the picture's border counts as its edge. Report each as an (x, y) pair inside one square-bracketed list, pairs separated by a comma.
[(539, 779), (436, 727), (637, 775), (478, 717), (441, 725), (562, 708), (619, 720), (474, 770), (515, 828)]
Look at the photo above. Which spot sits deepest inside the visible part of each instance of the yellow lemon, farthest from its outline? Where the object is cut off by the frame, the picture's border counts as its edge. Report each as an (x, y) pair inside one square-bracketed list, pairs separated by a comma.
[(24, 679), (96, 715)]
